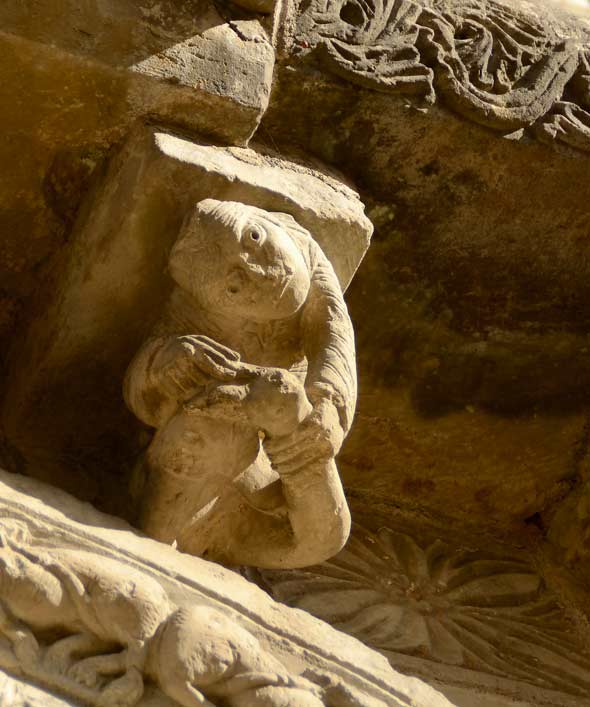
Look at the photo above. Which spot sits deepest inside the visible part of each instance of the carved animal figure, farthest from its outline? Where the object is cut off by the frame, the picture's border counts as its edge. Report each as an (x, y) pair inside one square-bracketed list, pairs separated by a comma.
[(96, 605), (249, 379)]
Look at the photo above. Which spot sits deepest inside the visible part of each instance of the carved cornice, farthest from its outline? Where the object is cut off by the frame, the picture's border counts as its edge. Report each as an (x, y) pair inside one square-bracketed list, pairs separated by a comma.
[(507, 67), (92, 611)]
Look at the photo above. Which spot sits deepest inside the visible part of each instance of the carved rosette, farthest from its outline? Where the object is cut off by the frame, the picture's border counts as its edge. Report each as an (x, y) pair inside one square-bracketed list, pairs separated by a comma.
[(93, 614), (493, 62), (456, 607)]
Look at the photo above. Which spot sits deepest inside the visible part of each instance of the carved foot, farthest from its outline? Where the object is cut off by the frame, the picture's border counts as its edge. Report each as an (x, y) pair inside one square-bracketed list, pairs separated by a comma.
[(22, 641), (275, 697), (186, 695), (25, 647)]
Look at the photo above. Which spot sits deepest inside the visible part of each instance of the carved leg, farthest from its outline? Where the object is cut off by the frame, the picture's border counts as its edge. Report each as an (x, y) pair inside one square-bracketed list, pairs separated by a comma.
[(271, 696), (60, 657), (187, 695), (88, 670), (126, 691), (192, 461)]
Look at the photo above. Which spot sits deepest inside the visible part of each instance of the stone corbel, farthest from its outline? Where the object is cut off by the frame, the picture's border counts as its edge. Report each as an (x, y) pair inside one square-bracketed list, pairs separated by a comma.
[(275, 386)]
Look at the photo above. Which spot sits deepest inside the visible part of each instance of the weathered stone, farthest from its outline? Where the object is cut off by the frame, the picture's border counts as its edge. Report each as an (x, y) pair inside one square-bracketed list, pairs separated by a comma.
[(466, 612), (71, 90), (189, 625), (474, 347), (465, 125), (249, 378)]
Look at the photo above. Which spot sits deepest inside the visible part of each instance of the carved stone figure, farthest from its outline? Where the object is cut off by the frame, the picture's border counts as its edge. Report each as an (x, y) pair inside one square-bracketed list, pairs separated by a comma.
[(249, 379), (94, 628)]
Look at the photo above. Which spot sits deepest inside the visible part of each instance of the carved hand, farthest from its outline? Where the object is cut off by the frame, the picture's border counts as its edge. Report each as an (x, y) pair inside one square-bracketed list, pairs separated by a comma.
[(318, 437), (192, 361)]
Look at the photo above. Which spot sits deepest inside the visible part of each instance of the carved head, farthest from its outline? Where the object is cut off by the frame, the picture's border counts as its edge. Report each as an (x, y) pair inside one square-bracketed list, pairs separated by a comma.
[(240, 260)]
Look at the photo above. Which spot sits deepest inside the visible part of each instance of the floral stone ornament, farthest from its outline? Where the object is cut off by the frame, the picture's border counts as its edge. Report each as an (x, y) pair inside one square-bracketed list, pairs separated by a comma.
[(457, 607)]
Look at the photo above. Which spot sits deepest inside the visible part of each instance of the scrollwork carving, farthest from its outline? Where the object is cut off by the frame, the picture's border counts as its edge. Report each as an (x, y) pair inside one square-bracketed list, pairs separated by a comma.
[(494, 63), (373, 44)]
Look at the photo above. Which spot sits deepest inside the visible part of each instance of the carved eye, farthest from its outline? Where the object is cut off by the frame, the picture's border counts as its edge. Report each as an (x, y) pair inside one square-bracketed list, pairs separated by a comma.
[(254, 234)]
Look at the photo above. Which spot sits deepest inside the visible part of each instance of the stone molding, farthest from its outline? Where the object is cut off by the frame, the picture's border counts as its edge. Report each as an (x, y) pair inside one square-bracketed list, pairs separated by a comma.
[(73, 543)]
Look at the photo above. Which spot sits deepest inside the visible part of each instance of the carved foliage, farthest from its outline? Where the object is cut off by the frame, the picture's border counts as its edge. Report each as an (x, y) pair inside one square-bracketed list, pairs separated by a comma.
[(373, 43), (457, 607), (487, 60)]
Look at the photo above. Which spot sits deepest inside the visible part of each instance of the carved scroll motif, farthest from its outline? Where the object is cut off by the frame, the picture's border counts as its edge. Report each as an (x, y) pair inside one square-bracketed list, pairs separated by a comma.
[(456, 607), (94, 629), (490, 62), (373, 43), (568, 121)]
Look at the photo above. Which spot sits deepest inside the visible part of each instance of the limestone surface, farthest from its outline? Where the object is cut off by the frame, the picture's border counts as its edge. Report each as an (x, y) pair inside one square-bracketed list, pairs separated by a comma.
[(142, 624), (113, 284)]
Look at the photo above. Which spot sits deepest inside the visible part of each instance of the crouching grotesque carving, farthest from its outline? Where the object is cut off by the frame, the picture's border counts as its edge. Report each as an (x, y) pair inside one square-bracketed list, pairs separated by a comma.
[(96, 629), (249, 379)]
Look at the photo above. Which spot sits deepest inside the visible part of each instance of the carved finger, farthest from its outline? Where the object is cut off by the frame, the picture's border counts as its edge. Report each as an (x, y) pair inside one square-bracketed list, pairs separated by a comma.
[(290, 443), (223, 350), (213, 364), (202, 344), (296, 454), (187, 380)]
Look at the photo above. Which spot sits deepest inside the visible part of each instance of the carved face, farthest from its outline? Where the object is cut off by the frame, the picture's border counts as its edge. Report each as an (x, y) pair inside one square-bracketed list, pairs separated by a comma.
[(240, 260)]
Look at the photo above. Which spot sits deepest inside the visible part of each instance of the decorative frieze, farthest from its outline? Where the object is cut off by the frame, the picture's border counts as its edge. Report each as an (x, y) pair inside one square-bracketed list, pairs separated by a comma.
[(91, 611), (503, 65)]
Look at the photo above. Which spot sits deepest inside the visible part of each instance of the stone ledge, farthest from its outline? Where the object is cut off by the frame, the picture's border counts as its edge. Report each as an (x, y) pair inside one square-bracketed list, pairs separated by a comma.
[(57, 520)]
